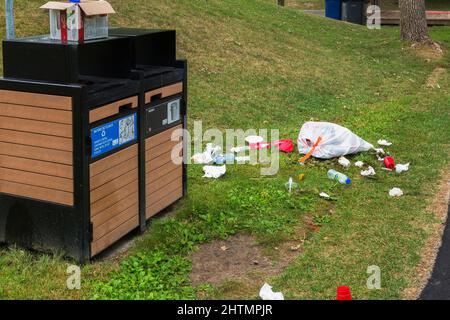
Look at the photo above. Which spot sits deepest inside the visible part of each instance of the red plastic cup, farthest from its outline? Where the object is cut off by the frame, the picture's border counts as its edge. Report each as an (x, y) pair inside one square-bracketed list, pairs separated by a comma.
[(389, 162), (343, 293)]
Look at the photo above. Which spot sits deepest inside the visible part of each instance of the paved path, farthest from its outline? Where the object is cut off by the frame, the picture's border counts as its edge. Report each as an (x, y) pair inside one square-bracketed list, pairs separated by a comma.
[(438, 287)]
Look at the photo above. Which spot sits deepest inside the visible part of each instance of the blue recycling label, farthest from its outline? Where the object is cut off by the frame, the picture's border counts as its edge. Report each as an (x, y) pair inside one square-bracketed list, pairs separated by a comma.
[(113, 135)]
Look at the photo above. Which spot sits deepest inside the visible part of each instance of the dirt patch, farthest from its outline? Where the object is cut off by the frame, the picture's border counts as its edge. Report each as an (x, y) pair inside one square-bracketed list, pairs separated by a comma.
[(438, 208), (235, 258), (436, 75), (428, 50)]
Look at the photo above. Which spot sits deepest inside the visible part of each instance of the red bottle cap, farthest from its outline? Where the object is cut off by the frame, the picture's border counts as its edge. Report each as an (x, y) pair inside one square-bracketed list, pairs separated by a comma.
[(389, 162), (343, 293)]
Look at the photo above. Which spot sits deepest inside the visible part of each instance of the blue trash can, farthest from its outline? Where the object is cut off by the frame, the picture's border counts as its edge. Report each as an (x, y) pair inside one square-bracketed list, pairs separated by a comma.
[(333, 9)]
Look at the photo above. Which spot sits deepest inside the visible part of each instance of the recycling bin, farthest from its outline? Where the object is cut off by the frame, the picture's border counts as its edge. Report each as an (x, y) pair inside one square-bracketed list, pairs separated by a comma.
[(333, 9), (353, 11), (69, 145), (91, 140), (164, 106)]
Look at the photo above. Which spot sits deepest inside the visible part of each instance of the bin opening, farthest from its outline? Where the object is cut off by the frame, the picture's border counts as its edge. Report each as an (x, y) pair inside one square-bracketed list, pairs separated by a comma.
[(151, 71), (155, 97), (126, 107)]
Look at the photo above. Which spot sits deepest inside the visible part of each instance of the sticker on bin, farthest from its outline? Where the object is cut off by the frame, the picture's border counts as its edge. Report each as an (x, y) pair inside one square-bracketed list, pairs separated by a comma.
[(113, 135)]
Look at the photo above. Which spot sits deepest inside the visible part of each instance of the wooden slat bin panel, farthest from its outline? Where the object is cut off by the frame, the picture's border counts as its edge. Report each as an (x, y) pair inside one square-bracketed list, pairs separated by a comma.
[(112, 109), (164, 92), (164, 177), (36, 144), (114, 197)]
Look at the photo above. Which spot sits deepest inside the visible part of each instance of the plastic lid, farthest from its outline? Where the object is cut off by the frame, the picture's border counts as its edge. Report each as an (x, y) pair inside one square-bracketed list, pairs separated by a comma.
[(75, 1), (348, 181)]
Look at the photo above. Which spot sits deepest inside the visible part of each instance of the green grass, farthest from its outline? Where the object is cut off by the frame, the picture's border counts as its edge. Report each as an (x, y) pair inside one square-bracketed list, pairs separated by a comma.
[(254, 65), (384, 4)]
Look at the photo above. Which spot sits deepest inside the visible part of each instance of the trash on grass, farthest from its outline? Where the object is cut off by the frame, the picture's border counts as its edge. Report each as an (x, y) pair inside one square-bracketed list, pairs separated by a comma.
[(266, 293), (389, 162), (343, 161), (359, 164), (343, 293), (301, 177), (286, 145), (383, 142), (379, 151), (337, 176), (207, 157), (395, 192), (326, 140), (369, 172), (239, 149), (399, 168), (254, 139), (214, 171), (324, 195), (224, 158), (291, 185), (296, 248)]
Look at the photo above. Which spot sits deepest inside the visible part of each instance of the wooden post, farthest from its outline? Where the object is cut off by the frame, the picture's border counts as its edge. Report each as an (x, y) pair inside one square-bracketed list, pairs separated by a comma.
[(9, 14), (281, 3)]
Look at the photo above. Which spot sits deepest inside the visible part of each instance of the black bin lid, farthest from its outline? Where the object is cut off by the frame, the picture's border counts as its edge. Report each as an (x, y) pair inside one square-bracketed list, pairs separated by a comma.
[(41, 58)]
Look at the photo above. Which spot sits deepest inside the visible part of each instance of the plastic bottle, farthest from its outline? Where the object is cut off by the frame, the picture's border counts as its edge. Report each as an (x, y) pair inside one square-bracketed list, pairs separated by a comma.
[(340, 177), (291, 185), (222, 159)]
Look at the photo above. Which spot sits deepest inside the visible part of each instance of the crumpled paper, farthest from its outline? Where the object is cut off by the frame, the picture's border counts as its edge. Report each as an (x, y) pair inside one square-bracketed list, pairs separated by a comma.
[(266, 293), (359, 164), (343, 161), (399, 168), (208, 155), (324, 195), (379, 151), (383, 142), (214, 172), (369, 172), (396, 192)]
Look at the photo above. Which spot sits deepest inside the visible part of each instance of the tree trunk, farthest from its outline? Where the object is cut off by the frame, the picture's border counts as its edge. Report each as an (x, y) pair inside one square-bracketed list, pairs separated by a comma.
[(413, 20)]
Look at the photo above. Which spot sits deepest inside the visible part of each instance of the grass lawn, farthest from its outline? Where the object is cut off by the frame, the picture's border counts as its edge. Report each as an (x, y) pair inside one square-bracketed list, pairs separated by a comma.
[(385, 4), (255, 65)]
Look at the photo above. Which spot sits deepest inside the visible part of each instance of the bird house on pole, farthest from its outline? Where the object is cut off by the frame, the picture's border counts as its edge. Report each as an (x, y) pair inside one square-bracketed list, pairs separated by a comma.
[(9, 14)]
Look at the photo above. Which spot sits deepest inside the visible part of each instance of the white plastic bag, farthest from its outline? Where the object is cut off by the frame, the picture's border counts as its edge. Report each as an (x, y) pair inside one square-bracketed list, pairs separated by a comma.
[(266, 293), (336, 141), (214, 172)]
